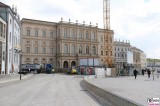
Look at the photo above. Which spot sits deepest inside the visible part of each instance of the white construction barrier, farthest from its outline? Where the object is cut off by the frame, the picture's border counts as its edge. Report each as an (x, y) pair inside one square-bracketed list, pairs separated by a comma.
[(99, 72), (108, 72)]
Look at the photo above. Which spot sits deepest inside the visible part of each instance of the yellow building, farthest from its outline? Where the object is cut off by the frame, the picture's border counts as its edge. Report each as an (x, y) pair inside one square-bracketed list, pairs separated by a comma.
[(63, 44)]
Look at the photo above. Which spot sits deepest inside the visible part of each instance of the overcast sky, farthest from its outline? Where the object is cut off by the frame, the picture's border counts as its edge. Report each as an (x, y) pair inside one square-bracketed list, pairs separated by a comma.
[(134, 20)]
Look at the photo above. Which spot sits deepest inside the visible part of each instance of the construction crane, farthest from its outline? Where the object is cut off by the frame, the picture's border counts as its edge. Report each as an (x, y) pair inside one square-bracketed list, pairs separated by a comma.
[(106, 14), (108, 35)]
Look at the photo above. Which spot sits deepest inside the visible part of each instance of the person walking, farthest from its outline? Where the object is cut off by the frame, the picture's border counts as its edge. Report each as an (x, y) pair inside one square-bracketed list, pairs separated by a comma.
[(143, 72), (149, 73), (135, 73)]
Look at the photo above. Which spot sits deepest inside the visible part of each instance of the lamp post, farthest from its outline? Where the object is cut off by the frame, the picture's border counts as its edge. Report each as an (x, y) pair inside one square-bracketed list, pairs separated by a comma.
[(18, 51)]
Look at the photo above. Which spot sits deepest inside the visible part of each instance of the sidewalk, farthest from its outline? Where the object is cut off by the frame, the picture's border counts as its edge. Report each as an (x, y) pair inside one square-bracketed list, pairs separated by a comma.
[(138, 90), (13, 77)]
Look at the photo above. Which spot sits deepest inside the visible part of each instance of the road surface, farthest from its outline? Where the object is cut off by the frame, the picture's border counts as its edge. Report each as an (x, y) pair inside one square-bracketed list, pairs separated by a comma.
[(47, 90)]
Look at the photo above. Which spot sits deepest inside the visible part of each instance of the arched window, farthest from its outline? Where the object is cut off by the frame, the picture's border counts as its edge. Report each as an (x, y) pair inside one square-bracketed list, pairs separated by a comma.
[(94, 50), (80, 49), (65, 48), (73, 49), (65, 32), (73, 34), (87, 35), (80, 34), (87, 49)]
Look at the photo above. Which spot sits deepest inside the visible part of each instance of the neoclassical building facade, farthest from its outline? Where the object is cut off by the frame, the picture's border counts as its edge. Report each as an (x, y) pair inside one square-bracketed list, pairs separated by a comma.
[(62, 44), (12, 19), (122, 48), (2, 45)]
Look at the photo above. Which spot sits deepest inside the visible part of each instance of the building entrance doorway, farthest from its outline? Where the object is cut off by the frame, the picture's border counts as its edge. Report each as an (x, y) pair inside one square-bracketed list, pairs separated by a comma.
[(65, 64)]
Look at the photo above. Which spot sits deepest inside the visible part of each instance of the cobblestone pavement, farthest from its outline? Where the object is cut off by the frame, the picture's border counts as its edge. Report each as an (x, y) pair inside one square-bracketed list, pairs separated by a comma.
[(138, 90)]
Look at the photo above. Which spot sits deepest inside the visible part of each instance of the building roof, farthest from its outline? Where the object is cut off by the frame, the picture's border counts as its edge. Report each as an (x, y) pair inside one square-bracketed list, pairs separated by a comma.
[(3, 5)]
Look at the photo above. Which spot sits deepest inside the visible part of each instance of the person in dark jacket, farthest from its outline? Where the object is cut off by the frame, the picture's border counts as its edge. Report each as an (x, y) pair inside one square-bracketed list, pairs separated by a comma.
[(135, 73), (149, 73), (143, 72)]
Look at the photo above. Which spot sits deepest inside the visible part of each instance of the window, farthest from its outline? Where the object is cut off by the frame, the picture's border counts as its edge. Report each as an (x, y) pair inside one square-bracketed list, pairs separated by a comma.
[(10, 37), (111, 53), (27, 41), (94, 50), (1, 29), (43, 50), (80, 34), (93, 37), (115, 49), (28, 50), (101, 39), (3, 55), (51, 34), (101, 52), (87, 49), (65, 48), (28, 59), (4, 31), (87, 35), (36, 33), (51, 50), (80, 49), (9, 57), (28, 32), (106, 53), (73, 49), (73, 34), (10, 21), (44, 33), (115, 55), (65, 33), (36, 50)]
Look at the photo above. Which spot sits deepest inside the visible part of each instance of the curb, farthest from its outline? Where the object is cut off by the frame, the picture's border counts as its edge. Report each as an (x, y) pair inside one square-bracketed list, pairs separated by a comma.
[(107, 98)]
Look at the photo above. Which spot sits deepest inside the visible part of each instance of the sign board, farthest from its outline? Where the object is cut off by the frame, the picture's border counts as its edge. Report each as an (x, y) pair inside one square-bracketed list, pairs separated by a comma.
[(30, 66), (89, 62)]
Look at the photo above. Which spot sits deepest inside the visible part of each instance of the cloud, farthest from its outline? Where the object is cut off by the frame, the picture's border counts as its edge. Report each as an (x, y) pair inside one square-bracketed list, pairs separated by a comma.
[(135, 20)]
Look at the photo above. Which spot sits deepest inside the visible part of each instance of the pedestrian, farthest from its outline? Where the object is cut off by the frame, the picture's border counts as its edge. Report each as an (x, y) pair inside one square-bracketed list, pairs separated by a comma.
[(143, 72), (149, 73), (135, 73)]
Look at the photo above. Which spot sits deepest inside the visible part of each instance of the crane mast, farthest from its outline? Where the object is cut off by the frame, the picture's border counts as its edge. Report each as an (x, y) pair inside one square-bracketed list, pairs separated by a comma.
[(108, 35), (106, 14)]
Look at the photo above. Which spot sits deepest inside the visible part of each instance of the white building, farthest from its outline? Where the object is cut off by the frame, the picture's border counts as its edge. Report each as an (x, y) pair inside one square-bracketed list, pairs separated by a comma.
[(2, 45), (13, 37), (121, 48)]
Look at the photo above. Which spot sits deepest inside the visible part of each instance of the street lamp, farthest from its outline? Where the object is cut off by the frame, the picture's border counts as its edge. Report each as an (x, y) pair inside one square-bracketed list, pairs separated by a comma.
[(18, 51)]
